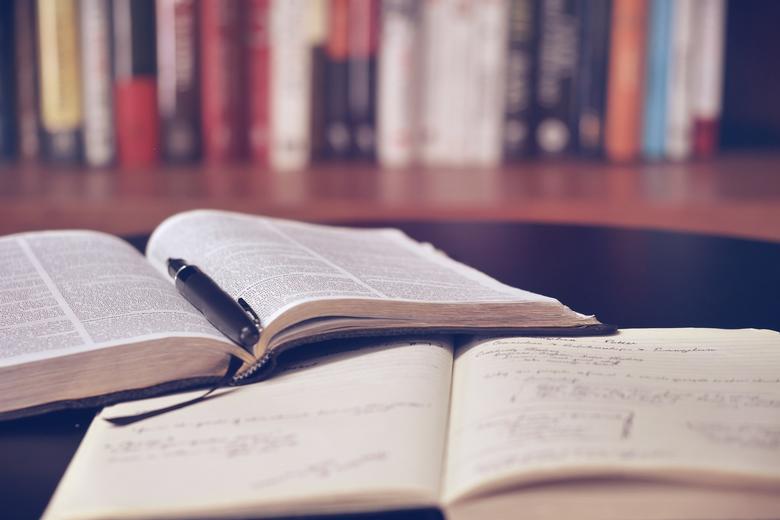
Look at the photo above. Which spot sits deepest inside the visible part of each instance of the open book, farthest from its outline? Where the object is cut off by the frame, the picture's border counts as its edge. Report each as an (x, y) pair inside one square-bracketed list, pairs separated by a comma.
[(649, 423), (89, 315)]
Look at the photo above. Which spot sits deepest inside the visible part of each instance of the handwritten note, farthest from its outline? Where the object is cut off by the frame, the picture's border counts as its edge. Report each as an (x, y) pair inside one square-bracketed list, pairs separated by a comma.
[(663, 401), (368, 424)]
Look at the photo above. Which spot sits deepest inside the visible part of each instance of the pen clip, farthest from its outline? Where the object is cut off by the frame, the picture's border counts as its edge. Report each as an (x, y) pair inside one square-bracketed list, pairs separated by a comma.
[(251, 313)]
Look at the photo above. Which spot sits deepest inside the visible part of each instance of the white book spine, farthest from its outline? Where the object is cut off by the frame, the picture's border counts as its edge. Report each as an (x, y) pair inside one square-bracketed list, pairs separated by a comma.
[(679, 116), (399, 83), (488, 41), (290, 86), (709, 18), (97, 84), (447, 67)]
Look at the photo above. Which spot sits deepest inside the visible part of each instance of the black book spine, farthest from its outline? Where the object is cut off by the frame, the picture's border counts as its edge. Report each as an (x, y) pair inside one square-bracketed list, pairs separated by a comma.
[(7, 105), (520, 65), (26, 81), (363, 34), (592, 77), (319, 98), (555, 106), (338, 139)]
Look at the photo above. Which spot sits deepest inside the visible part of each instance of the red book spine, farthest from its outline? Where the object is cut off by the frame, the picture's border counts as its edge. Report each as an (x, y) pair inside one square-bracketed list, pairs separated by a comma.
[(258, 63), (137, 126), (222, 100)]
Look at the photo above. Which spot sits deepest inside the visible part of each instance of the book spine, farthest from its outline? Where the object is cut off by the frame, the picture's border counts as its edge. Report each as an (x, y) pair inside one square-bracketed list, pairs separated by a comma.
[(520, 78), (556, 80), (177, 79), (592, 76), (318, 32), (487, 39), (658, 48), (398, 83), (679, 114), (338, 138), (27, 99), (290, 85), (99, 141), (447, 67), (625, 83), (258, 64), (135, 83), (362, 40), (709, 35), (7, 66), (59, 80), (222, 102)]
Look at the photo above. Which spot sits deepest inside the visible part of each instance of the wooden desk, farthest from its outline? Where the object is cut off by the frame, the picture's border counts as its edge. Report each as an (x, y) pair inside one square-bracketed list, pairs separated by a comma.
[(627, 277)]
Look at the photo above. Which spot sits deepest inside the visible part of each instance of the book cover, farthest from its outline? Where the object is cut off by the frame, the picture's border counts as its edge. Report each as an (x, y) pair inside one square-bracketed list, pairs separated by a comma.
[(338, 138), (625, 81), (520, 79), (99, 139), (26, 72), (709, 34), (59, 76), (7, 66), (399, 83), (178, 94), (592, 75), (679, 113), (290, 89), (362, 23), (258, 76), (657, 79), (557, 76), (223, 99), (135, 83)]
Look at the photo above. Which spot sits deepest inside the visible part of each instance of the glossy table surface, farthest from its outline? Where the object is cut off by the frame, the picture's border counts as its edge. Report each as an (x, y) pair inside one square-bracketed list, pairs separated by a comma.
[(629, 278)]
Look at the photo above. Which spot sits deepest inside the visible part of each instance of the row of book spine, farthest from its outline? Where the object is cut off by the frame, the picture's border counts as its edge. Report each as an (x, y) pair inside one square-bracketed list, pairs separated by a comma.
[(284, 82)]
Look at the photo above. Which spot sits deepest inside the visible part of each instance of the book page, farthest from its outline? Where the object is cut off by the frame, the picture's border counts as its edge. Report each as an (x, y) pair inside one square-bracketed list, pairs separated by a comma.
[(699, 404), (356, 430), (68, 291), (273, 263)]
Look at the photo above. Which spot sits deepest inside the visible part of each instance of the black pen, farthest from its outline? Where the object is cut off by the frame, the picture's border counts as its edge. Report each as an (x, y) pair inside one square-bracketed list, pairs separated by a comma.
[(234, 319)]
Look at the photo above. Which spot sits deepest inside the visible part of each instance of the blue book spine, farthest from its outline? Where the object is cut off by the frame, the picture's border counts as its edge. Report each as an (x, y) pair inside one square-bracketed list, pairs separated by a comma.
[(658, 48)]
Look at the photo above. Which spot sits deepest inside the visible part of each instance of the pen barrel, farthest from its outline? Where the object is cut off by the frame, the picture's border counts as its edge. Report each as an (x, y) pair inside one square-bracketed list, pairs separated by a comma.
[(218, 307)]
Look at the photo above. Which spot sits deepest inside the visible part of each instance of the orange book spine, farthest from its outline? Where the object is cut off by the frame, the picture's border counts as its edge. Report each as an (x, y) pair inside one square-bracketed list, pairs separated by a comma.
[(626, 79)]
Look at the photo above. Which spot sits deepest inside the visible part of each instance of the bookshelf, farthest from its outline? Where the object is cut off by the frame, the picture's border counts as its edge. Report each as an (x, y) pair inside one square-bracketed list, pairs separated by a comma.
[(737, 194)]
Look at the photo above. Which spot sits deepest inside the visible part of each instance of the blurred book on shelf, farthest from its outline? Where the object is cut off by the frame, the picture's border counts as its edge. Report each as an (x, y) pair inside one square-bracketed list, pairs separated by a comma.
[(402, 83)]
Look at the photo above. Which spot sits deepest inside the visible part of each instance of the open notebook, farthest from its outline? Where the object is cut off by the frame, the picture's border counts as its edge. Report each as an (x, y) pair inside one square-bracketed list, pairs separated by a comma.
[(650, 424)]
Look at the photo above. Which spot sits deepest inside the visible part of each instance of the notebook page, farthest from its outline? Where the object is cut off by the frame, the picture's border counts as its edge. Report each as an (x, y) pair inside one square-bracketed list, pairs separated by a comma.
[(698, 404), (357, 430)]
